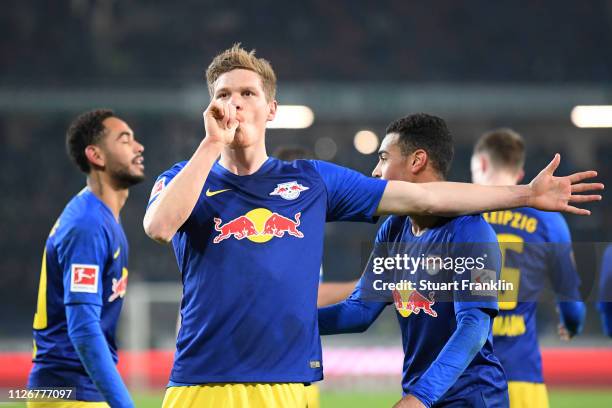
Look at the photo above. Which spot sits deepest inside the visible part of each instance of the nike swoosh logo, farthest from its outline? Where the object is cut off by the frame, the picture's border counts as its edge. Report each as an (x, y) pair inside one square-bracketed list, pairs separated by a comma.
[(117, 252), (212, 193)]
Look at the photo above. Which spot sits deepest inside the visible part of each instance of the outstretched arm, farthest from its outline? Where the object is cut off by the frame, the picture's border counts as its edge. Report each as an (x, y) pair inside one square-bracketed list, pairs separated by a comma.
[(545, 192)]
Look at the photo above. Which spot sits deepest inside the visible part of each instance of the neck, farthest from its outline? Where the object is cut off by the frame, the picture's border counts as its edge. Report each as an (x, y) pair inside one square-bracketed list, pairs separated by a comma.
[(111, 195), (423, 222), (243, 161), (500, 179)]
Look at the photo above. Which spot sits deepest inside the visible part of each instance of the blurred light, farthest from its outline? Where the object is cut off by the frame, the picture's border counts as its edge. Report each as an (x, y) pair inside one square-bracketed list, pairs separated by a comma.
[(366, 142), (292, 117), (325, 148), (592, 116)]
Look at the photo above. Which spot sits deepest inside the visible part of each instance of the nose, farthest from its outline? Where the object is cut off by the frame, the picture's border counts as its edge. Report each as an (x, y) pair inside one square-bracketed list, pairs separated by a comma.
[(138, 147), (376, 172), (236, 101)]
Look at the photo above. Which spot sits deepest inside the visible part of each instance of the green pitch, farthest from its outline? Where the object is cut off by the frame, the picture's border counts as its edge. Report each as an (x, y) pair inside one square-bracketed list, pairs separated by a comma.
[(558, 399)]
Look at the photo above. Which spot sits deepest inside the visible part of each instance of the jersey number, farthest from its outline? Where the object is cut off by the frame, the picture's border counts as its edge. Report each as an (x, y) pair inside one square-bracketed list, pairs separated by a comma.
[(509, 242)]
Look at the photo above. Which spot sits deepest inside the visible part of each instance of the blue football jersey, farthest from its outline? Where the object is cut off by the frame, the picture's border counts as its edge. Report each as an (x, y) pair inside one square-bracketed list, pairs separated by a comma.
[(605, 289), (427, 315), (536, 247), (250, 257), (84, 262)]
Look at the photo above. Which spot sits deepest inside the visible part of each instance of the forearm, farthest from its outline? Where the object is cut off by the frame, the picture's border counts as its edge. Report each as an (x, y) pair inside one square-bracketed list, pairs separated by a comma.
[(572, 315), (350, 316), (467, 340), (334, 292), (176, 202), (90, 344), (449, 199)]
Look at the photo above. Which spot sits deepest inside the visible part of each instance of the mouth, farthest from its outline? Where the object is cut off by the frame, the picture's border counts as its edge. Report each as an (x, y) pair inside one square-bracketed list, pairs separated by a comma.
[(139, 161)]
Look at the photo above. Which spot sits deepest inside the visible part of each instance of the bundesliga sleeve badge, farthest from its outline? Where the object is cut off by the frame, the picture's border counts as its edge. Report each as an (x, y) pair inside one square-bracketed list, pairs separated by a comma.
[(289, 191), (84, 278)]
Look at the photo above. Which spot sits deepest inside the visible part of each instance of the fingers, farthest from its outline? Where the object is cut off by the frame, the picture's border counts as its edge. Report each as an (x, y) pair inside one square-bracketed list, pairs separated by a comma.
[(582, 187), (552, 166), (576, 211), (577, 177), (586, 198)]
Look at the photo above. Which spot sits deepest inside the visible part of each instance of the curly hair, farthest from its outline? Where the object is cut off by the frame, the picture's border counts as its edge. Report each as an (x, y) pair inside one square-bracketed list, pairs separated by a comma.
[(427, 132), (85, 130)]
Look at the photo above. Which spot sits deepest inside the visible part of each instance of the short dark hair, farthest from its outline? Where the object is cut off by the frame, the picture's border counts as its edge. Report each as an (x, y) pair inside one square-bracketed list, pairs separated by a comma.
[(427, 132), (506, 148), (85, 130)]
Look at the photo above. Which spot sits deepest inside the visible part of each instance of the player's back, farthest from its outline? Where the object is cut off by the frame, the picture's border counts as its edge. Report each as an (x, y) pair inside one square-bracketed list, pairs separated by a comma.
[(68, 276), (536, 247)]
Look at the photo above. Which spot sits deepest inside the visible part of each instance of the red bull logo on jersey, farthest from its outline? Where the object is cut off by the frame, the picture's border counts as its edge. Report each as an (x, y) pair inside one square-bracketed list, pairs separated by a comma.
[(84, 278), (412, 301), (259, 225), (119, 286), (289, 191)]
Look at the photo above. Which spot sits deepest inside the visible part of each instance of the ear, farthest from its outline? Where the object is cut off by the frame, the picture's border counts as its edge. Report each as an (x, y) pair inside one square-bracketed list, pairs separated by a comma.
[(520, 175), (419, 161), (272, 114), (484, 163), (95, 155)]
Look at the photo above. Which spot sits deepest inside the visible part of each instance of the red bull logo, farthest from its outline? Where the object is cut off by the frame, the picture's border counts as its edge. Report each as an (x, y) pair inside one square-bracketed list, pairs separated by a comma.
[(119, 286), (258, 225), (289, 191), (411, 301)]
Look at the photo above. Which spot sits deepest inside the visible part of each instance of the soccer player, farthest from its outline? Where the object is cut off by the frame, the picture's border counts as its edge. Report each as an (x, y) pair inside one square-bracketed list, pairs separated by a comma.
[(536, 246), (605, 292), (446, 333), (247, 232), (84, 271)]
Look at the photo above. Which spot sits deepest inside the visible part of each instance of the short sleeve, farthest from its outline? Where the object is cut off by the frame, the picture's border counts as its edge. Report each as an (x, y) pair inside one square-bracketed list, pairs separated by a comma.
[(476, 245), (163, 180), (83, 253), (351, 196), (562, 264)]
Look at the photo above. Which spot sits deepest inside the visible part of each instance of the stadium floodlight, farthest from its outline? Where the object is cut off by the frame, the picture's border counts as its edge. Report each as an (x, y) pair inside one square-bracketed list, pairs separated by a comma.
[(292, 117), (592, 116), (365, 141)]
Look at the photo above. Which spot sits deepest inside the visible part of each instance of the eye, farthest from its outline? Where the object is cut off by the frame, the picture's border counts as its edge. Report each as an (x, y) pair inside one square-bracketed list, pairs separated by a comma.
[(247, 93), (221, 95)]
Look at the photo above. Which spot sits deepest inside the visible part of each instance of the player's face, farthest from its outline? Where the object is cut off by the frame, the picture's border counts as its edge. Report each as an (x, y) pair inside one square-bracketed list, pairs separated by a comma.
[(244, 89), (123, 159), (392, 164)]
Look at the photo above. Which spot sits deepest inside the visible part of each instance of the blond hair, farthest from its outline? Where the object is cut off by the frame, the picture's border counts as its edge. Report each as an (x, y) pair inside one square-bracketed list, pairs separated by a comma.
[(238, 58)]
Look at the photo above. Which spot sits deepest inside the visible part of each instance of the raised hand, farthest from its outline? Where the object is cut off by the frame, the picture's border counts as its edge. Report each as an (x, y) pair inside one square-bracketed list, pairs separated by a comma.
[(220, 122), (551, 193)]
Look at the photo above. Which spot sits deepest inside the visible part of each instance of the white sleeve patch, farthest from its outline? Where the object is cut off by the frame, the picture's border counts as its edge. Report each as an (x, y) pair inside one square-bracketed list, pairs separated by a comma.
[(84, 278)]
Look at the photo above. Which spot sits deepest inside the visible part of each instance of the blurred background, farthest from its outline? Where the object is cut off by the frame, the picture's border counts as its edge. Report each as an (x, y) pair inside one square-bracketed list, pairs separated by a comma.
[(352, 67)]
